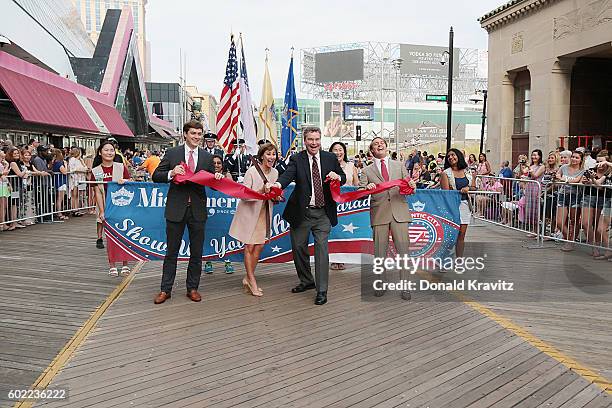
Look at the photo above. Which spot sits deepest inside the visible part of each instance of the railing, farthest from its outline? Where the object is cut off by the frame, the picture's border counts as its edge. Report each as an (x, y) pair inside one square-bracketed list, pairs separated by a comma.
[(512, 203), (577, 213), (43, 198), (546, 211)]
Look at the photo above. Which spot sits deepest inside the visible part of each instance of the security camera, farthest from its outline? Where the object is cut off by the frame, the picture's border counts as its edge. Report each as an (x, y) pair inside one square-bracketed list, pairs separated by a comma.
[(4, 41)]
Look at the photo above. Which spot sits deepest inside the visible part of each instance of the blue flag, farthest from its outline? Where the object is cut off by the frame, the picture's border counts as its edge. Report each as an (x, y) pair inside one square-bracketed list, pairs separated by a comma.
[(290, 112)]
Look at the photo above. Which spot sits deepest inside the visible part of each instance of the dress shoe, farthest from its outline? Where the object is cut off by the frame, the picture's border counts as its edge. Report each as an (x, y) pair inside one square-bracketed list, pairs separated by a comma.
[(194, 295), (379, 293), (406, 295), (303, 288), (321, 298), (161, 297)]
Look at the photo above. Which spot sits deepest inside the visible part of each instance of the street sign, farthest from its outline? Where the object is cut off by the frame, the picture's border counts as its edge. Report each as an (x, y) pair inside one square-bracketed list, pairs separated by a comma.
[(438, 98)]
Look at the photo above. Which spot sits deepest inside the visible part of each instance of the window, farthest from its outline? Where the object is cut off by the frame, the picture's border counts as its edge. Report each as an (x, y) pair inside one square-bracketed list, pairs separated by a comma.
[(88, 16), (135, 10), (522, 103), (97, 11)]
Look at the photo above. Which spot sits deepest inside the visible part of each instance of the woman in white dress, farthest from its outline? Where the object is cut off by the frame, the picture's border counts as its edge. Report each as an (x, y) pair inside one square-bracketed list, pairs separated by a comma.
[(352, 178), (78, 172)]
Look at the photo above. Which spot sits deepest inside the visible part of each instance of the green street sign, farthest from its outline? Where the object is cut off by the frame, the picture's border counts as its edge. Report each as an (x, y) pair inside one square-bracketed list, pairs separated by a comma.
[(439, 98)]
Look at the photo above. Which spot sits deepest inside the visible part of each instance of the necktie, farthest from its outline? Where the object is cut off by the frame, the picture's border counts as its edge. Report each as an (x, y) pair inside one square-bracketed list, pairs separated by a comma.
[(383, 170), (191, 162), (316, 183)]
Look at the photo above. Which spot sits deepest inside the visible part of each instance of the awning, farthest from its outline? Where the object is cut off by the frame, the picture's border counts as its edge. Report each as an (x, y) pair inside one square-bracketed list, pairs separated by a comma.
[(43, 97), (161, 131), (39, 102), (112, 119)]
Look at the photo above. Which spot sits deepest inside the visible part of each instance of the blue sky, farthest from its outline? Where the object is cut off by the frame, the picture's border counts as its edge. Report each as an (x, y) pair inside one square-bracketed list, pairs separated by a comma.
[(202, 29)]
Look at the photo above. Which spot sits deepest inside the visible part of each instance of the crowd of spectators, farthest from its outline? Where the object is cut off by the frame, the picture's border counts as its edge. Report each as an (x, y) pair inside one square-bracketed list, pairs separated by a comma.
[(38, 182)]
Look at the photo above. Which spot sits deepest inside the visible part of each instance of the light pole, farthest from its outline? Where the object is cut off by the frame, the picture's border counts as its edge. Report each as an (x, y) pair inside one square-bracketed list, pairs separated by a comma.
[(382, 96), (477, 98), (449, 96), (397, 64)]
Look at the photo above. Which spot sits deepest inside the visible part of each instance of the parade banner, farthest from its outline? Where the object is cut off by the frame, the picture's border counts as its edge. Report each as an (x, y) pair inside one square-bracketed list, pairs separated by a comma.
[(135, 226)]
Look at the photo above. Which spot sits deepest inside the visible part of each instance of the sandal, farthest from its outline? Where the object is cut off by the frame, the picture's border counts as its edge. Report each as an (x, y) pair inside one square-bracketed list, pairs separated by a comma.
[(341, 267), (125, 270), (113, 272), (333, 266)]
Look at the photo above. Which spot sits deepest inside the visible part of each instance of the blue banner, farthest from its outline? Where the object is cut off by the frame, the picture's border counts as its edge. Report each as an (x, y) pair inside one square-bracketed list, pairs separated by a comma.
[(136, 228)]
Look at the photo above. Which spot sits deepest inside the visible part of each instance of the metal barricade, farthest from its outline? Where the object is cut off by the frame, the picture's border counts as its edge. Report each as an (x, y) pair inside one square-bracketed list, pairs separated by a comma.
[(576, 213), (43, 198), (511, 203)]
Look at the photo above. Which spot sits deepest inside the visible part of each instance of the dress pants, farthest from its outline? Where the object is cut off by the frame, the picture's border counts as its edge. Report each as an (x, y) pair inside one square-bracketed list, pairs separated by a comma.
[(317, 222), (401, 240), (174, 236)]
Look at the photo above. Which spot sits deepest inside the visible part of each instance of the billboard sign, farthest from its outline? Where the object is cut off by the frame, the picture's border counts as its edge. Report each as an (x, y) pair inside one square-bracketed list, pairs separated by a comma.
[(425, 60), (355, 111), (339, 66)]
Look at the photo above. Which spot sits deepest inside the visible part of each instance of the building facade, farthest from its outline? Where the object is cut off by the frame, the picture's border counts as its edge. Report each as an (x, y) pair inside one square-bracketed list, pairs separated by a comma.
[(550, 76), (171, 102), (57, 88), (93, 12)]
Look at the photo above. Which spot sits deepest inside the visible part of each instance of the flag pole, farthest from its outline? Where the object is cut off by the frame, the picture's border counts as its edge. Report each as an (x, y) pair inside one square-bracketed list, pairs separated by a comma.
[(265, 125)]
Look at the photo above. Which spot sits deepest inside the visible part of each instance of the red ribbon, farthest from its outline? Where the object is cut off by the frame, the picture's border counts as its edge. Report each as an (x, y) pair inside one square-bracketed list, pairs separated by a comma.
[(334, 185), (225, 185)]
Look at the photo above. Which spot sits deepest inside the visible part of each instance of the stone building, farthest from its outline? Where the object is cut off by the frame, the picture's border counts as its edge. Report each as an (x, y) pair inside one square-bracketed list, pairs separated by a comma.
[(550, 76)]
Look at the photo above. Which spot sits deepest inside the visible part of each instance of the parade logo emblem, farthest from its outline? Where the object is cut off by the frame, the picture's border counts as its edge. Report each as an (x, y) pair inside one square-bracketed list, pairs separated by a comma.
[(426, 234), (418, 206), (122, 197)]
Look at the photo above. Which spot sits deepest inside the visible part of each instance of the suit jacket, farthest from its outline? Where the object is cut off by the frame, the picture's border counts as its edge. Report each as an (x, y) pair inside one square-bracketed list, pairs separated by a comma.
[(231, 165), (179, 195), (298, 170), (389, 205)]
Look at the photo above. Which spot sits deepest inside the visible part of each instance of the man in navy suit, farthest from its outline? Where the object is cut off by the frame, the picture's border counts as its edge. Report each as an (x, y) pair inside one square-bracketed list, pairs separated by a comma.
[(185, 206), (311, 209)]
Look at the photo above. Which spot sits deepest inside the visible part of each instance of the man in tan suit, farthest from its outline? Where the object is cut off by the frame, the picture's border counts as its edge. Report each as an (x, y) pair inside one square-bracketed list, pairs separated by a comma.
[(388, 210)]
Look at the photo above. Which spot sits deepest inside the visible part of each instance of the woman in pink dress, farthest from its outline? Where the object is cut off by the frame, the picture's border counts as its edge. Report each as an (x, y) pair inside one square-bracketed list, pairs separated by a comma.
[(252, 220)]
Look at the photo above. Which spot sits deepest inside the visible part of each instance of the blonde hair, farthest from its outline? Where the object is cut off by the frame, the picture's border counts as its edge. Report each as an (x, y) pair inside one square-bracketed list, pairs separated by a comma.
[(556, 164), (75, 152)]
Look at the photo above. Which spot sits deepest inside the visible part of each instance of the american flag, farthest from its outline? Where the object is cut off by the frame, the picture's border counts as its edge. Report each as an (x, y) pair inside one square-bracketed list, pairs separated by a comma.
[(229, 112)]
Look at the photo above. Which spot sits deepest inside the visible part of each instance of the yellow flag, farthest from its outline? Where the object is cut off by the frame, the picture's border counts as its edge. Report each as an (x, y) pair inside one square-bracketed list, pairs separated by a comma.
[(266, 129)]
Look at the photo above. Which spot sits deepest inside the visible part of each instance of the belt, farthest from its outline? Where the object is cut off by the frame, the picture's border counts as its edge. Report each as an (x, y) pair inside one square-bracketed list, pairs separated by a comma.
[(314, 207)]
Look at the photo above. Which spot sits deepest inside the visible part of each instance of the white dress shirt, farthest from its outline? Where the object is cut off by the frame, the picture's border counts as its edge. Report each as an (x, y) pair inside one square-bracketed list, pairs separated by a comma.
[(312, 192), (195, 159), (379, 167)]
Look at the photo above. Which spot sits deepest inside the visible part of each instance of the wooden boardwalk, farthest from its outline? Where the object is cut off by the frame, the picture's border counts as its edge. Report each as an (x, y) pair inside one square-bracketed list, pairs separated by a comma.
[(282, 351), (53, 279)]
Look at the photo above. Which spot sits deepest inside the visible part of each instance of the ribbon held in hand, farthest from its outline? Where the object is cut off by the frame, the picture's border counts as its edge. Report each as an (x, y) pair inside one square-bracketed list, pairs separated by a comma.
[(225, 185), (334, 185)]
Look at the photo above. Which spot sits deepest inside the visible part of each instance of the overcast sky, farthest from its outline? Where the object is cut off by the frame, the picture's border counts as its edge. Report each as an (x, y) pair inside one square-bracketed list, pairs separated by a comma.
[(202, 29)]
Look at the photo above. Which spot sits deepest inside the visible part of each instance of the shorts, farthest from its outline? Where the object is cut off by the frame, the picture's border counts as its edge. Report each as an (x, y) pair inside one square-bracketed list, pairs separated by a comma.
[(465, 213), (62, 188), (590, 201), (568, 200), (606, 209), (5, 191)]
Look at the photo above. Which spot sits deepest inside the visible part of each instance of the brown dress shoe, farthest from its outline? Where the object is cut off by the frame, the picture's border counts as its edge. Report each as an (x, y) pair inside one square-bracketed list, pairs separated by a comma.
[(161, 297), (194, 295)]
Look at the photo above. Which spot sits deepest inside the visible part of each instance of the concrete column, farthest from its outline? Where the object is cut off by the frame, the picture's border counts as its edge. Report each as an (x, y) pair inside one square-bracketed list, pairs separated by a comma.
[(506, 119), (559, 108)]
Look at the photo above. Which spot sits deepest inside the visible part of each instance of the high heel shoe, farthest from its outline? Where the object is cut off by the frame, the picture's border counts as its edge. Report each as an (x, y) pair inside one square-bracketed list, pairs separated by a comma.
[(248, 289)]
